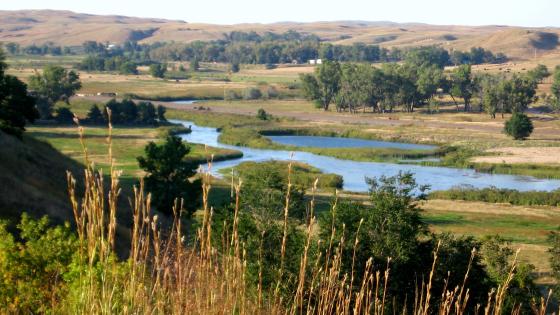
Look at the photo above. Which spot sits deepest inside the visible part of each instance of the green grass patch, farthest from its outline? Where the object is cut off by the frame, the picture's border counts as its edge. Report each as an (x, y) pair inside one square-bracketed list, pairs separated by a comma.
[(302, 175), (128, 144)]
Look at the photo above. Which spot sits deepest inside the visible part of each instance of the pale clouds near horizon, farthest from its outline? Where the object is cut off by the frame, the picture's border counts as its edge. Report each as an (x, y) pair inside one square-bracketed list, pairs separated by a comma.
[(468, 12)]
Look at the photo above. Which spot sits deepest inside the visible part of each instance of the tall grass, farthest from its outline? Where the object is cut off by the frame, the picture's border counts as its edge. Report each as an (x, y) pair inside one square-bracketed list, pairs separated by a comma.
[(165, 275)]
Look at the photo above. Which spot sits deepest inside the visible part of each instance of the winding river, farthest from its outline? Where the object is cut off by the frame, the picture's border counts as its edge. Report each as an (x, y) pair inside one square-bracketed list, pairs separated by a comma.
[(354, 173)]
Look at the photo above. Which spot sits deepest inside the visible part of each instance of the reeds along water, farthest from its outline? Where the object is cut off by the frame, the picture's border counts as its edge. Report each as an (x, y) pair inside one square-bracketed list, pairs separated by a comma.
[(164, 275)]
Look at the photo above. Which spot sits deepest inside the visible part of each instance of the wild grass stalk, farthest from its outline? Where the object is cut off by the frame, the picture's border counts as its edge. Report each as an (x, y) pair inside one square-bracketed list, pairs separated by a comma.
[(165, 275)]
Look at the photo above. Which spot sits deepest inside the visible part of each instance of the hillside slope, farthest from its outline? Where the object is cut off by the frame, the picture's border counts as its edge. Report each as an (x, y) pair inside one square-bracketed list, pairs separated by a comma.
[(69, 28), (33, 179)]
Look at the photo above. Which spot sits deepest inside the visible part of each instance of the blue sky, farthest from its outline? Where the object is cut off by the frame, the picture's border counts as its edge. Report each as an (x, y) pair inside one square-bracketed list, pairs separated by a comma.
[(465, 12)]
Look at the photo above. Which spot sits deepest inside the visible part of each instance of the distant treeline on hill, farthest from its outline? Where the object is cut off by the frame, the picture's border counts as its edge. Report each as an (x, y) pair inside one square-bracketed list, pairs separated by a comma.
[(45, 49), (270, 48), (244, 48)]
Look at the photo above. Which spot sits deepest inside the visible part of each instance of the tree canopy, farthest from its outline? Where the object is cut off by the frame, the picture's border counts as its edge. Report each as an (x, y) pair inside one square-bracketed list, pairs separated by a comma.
[(16, 106), (53, 84), (170, 175)]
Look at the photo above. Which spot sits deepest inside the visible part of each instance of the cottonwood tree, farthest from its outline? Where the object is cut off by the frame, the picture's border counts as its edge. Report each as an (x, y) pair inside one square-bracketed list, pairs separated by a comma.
[(463, 85), (538, 74), (555, 88), (158, 70), (16, 106), (53, 85), (355, 90), (507, 95), (324, 85)]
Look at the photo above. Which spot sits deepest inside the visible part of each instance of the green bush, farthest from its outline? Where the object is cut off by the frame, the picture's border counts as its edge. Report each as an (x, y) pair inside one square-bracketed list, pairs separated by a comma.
[(519, 126), (63, 115), (33, 265), (496, 195), (230, 95), (252, 94), (262, 115)]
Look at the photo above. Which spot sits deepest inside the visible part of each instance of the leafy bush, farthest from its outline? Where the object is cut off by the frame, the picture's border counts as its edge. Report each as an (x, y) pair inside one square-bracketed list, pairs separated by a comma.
[(252, 94), (158, 70), (33, 266), (262, 115), (230, 95), (519, 126), (63, 115), (272, 92), (496, 195)]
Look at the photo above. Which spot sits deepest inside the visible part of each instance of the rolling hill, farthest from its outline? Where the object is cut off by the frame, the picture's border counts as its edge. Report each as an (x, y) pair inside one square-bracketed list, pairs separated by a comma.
[(69, 28), (33, 179)]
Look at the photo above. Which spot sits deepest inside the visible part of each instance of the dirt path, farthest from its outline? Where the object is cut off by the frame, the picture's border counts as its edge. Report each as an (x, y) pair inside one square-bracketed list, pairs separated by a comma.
[(534, 155)]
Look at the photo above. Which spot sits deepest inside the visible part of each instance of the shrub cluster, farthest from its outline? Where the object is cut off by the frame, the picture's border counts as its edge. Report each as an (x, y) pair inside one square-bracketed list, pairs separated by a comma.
[(496, 195)]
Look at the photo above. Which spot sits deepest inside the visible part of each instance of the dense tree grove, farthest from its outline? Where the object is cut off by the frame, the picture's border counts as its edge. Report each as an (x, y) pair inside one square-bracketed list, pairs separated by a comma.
[(416, 83), (45, 49), (16, 106), (127, 112), (120, 64)]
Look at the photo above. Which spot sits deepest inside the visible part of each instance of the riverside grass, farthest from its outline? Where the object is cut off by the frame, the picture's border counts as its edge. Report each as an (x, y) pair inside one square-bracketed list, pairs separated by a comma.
[(164, 276)]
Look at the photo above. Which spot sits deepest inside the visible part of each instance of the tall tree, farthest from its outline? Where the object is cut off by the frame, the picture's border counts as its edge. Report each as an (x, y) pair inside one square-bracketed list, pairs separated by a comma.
[(463, 85), (538, 74), (16, 106), (54, 84), (161, 113), (555, 88), (94, 115), (324, 85), (169, 175), (158, 70)]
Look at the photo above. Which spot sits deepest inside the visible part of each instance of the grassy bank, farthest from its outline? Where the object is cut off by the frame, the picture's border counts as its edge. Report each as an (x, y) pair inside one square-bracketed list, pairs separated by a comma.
[(128, 144), (241, 130), (303, 175), (461, 157)]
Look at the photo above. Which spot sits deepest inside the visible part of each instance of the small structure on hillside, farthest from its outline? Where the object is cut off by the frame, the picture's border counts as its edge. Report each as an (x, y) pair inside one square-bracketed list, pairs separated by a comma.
[(315, 61)]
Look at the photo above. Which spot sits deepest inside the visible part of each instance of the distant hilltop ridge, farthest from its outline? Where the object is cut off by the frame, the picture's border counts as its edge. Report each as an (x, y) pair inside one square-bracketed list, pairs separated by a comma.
[(71, 29)]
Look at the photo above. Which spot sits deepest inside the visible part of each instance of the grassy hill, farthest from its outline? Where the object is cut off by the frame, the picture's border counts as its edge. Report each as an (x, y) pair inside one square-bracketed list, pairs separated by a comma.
[(33, 179), (69, 28)]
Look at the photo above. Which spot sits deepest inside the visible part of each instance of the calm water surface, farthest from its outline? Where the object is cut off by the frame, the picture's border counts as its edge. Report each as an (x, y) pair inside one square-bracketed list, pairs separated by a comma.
[(354, 173)]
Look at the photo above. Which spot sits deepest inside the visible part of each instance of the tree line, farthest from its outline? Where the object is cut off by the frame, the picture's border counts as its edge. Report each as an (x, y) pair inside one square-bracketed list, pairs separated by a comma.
[(416, 83), (127, 112), (271, 48), (39, 50), (287, 49)]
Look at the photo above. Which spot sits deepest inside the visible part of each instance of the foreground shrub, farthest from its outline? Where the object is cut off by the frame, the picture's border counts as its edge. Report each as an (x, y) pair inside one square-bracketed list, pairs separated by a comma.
[(33, 265)]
